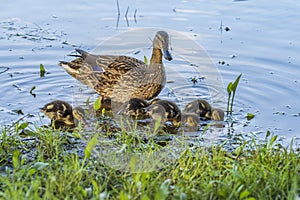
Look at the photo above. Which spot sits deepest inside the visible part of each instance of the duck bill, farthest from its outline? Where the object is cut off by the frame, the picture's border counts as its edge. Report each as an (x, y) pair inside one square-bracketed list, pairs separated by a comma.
[(167, 55), (42, 110)]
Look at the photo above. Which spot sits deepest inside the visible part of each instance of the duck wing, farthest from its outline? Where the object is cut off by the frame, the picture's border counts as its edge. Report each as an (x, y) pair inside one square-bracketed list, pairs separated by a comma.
[(101, 72)]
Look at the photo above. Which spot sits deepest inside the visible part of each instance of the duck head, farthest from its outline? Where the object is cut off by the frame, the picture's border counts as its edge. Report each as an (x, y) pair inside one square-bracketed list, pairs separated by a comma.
[(161, 41)]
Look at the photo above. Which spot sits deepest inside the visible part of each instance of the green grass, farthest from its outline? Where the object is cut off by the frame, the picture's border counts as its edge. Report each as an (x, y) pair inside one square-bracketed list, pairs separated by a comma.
[(47, 164)]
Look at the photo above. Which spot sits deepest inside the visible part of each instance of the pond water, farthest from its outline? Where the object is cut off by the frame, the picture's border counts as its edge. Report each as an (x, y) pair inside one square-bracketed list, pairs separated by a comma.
[(255, 38)]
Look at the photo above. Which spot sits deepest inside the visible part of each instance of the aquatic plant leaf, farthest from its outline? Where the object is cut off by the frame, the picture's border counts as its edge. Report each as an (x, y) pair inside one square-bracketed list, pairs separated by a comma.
[(15, 159), (250, 116), (273, 139), (42, 70), (194, 80), (206, 128), (90, 146), (23, 126), (236, 82), (268, 134), (229, 87), (31, 91), (146, 60), (97, 104)]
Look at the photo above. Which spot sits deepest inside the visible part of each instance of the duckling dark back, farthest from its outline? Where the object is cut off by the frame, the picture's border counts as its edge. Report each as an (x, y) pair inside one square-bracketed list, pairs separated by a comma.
[(171, 109), (217, 114), (198, 106), (134, 108)]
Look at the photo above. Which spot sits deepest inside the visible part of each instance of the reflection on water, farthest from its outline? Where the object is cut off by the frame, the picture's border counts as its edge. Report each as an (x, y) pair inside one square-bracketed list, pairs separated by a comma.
[(264, 44)]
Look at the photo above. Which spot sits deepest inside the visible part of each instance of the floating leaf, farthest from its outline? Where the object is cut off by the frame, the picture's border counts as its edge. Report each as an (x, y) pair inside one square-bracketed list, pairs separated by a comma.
[(42, 70), (146, 60), (250, 116), (19, 112), (194, 80), (90, 146), (31, 91)]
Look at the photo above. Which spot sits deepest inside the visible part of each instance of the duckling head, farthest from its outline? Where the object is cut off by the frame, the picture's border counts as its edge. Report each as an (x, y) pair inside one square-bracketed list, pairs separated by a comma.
[(59, 111), (157, 112), (190, 119), (161, 41), (200, 107), (134, 108), (217, 114)]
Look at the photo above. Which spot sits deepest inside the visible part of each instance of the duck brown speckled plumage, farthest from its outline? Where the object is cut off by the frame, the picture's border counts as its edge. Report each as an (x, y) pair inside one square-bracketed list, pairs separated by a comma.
[(121, 77), (62, 115)]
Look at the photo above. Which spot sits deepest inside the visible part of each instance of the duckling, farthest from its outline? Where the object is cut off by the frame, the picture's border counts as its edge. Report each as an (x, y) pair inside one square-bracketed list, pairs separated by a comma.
[(62, 115), (217, 114), (171, 111), (79, 115), (121, 77), (190, 119), (157, 112), (134, 108), (105, 105), (198, 106)]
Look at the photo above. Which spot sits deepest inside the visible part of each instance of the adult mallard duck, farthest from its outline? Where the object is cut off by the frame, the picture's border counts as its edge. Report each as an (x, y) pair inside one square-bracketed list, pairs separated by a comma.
[(121, 77), (62, 115)]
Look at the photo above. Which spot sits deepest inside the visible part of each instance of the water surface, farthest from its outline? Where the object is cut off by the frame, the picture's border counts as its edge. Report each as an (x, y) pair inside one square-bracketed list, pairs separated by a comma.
[(261, 43)]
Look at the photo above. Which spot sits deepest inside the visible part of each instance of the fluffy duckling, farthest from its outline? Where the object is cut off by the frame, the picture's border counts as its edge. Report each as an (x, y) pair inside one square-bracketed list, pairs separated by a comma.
[(157, 112), (170, 110), (121, 77), (190, 119), (198, 106), (62, 115), (134, 108), (217, 114)]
